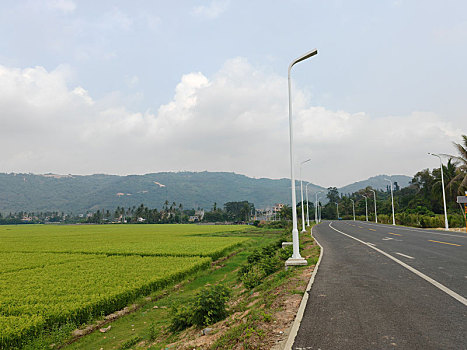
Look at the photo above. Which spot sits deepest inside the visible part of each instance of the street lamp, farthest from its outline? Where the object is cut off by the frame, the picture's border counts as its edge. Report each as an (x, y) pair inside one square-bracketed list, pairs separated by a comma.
[(296, 258), (301, 192), (320, 211), (366, 207), (444, 194), (353, 207), (392, 201), (376, 215), (307, 212), (337, 204), (316, 206)]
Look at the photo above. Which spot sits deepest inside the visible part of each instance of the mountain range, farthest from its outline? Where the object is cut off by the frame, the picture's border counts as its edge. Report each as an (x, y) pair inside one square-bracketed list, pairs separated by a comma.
[(81, 193)]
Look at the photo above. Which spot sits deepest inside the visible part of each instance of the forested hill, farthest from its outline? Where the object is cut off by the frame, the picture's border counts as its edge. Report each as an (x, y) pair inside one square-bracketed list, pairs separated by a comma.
[(78, 194), (376, 182)]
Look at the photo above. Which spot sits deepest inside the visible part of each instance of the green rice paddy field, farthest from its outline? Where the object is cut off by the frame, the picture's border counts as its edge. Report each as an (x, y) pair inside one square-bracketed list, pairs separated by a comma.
[(50, 275)]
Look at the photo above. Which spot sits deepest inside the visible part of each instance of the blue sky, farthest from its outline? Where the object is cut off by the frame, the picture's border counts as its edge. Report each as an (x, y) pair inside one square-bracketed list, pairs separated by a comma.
[(201, 85)]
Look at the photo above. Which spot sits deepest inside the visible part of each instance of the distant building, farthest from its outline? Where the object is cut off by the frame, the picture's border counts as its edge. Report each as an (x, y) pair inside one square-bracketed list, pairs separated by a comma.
[(194, 218), (264, 214), (199, 214), (277, 207)]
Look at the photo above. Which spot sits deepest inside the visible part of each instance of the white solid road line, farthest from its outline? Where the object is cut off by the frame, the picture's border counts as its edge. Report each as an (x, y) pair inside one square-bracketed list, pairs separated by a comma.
[(438, 285), (405, 256)]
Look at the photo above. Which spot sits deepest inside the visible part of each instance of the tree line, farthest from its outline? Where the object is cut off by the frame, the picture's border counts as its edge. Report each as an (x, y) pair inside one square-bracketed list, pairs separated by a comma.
[(420, 204), (170, 213)]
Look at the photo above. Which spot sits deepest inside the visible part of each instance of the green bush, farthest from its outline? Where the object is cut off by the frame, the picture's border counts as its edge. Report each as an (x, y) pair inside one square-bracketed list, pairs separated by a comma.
[(286, 252), (181, 319), (252, 277), (262, 263), (208, 307)]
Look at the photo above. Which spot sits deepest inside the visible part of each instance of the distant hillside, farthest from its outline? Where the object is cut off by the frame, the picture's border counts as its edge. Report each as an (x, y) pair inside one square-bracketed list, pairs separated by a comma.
[(78, 194), (377, 182)]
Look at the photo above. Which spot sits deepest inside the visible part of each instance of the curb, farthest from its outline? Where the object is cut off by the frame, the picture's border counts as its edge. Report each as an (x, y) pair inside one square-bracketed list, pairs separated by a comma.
[(301, 309)]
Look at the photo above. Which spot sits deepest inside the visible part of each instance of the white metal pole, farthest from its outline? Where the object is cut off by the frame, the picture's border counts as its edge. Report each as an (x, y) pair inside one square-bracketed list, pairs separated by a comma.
[(366, 208), (353, 209), (446, 225), (301, 194), (376, 215), (307, 211), (392, 201), (295, 239), (337, 204), (319, 209), (316, 206)]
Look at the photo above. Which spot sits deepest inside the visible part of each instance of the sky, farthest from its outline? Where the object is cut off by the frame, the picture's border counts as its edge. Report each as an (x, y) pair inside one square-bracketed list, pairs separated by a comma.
[(134, 87)]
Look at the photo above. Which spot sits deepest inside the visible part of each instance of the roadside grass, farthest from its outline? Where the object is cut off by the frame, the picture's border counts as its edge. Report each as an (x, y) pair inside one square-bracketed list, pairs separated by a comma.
[(264, 303), (151, 321), (253, 312)]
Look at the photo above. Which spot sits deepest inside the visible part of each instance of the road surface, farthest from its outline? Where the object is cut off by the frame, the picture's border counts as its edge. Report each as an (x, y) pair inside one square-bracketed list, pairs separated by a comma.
[(386, 287)]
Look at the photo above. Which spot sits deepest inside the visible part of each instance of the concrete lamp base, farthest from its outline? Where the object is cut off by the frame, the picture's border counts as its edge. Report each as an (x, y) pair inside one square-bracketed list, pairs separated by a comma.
[(295, 262)]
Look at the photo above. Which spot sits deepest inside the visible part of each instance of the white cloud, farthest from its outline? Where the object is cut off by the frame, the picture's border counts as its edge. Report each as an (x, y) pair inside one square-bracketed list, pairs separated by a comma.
[(213, 10), (66, 6), (235, 120)]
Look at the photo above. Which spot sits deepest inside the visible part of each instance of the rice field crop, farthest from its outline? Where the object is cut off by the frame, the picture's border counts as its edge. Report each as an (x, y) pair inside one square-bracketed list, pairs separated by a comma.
[(50, 275), (154, 240)]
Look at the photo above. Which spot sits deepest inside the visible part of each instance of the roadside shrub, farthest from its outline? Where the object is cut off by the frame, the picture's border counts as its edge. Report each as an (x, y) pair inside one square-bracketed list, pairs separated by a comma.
[(286, 252), (276, 224), (181, 319), (262, 263), (456, 220), (207, 307), (210, 305), (252, 277)]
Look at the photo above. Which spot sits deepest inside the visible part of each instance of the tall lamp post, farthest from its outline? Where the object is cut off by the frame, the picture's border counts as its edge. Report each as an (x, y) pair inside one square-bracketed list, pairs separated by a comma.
[(296, 258), (307, 212), (320, 210), (376, 215), (316, 206), (446, 225), (353, 209), (392, 201), (337, 204), (366, 207), (301, 193)]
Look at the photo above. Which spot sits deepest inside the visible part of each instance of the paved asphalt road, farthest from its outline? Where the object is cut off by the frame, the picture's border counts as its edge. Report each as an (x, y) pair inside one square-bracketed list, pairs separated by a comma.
[(408, 293)]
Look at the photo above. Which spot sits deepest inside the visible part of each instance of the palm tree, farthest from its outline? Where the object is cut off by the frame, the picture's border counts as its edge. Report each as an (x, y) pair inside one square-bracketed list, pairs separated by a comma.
[(450, 171), (461, 177)]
